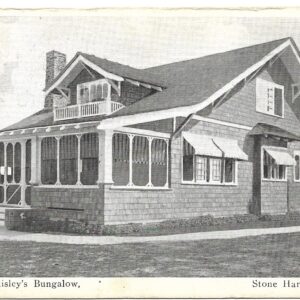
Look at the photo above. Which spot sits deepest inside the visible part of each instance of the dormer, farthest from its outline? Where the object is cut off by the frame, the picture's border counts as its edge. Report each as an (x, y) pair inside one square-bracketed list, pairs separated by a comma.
[(84, 89)]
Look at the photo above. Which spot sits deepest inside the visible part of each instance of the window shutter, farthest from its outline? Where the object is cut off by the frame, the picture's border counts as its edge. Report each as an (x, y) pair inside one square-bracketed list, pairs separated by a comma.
[(278, 102), (264, 96)]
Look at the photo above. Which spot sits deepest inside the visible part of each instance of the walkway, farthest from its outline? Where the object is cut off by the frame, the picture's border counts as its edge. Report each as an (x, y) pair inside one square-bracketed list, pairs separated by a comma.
[(6, 235)]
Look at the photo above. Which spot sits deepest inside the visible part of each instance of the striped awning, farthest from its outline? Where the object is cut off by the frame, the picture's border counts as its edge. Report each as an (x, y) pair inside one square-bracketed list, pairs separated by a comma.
[(281, 156), (215, 146)]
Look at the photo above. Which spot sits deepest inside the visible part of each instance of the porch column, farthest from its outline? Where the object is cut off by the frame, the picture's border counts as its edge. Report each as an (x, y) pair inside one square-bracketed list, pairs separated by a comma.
[(150, 161), (5, 174), (23, 172), (57, 162), (79, 161), (35, 157), (105, 157)]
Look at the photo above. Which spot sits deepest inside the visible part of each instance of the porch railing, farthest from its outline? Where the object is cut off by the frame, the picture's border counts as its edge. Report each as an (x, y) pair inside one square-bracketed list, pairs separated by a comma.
[(86, 110)]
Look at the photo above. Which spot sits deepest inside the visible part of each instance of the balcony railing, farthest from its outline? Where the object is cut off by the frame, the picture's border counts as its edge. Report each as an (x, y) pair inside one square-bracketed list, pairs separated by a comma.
[(86, 110)]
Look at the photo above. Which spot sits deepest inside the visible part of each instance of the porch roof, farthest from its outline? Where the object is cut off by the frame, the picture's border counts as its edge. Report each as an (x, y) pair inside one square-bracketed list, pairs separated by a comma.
[(267, 129)]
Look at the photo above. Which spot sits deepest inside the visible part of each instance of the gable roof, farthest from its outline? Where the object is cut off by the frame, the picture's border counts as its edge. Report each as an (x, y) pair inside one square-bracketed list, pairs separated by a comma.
[(192, 81), (189, 85)]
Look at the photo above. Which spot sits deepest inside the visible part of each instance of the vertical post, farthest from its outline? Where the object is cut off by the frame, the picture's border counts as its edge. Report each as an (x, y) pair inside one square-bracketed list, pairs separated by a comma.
[(5, 173), (105, 157), (168, 163), (131, 136), (57, 162), (150, 160), (35, 157), (79, 162), (13, 162), (108, 100), (23, 172)]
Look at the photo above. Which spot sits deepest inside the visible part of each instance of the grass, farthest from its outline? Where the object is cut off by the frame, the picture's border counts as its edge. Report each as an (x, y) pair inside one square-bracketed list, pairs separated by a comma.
[(262, 256)]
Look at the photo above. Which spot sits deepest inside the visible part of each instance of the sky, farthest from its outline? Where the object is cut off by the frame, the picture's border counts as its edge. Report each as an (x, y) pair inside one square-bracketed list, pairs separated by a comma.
[(134, 38)]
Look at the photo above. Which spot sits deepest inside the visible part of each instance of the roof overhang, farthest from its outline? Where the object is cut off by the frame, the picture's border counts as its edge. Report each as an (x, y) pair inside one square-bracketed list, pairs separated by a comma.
[(76, 65), (113, 122)]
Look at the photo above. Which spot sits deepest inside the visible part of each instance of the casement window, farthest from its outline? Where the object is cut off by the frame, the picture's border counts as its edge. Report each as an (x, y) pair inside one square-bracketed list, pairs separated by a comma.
[(49, 160), (89, 149), (297, 166), (210, 160), (209, 170), (269, 98), (70, 159), (139, 161), (275, 161), (97, 90)]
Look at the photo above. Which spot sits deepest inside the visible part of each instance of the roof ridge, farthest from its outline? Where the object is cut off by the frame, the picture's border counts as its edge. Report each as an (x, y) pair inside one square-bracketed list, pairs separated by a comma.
[(218, 53)]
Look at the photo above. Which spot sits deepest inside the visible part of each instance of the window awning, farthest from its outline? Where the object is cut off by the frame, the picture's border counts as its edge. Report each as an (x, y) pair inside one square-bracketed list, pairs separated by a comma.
[(271, 130), (202, 144), (230, 148), (281, 156), (215, 146)]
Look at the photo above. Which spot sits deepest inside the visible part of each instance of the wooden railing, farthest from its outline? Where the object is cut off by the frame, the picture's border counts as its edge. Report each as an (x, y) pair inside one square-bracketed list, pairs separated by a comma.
[(86, 110)]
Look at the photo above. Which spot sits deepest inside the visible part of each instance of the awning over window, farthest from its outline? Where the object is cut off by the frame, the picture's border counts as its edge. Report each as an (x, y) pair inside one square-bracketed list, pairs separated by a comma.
[(202, 144), (271, 130), (230, 148), (281, 156), (214, 146)]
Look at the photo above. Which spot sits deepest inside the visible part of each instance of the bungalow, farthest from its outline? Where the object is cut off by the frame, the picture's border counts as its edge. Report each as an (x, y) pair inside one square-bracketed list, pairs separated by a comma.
[(215, 135)]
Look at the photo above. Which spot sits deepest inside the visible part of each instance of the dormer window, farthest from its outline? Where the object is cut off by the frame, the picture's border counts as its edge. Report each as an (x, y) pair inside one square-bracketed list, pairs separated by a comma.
[(269, 98), (93, 91)]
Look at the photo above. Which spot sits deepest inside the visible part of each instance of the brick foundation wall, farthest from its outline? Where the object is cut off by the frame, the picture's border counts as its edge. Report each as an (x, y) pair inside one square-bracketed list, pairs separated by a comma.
[(73, 203)]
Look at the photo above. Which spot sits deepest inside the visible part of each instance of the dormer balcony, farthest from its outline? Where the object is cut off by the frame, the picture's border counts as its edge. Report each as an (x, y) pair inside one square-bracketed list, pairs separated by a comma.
[(93, 98)]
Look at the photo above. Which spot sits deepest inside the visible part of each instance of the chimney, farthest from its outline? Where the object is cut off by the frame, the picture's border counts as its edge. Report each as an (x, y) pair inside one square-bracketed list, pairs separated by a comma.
[(55, 62)]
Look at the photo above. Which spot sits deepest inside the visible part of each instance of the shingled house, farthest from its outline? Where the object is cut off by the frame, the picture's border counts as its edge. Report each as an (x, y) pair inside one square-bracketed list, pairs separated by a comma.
[(215, 135)]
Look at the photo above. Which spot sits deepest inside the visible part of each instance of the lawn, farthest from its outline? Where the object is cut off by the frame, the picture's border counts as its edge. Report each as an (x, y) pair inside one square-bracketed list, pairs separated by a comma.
[(262, 256)]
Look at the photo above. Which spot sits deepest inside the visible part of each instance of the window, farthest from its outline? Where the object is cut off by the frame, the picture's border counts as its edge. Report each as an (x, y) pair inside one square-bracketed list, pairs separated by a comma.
[(134, 166), (17, 162), (120, 153), (28, 161), (297, 166), (68, 157), (207, 169), (159, 162), (9, 159), (98, 90), (269, 98), (2, 167), (188, 161), (272, 170), (49, 160), (140, 161), (89, 150), (71, 169)]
